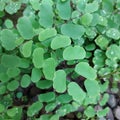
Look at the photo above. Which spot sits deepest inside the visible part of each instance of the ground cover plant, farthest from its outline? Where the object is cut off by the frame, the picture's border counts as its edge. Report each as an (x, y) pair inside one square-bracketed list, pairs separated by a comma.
[(59, 59)]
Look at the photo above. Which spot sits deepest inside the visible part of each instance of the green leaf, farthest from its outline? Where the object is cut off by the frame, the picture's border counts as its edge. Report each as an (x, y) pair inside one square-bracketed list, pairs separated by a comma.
[(86, 19), (49, 68), (46, 13), (89, 112), (19, 41), (102, 42), (87, 72), (12, 7), (2, 5), (99, 59), (12, 112), (2, 108), (8, 23), (72, 30), (36, 75), (24, 63), (35, 4), (90, 47), (113, 33), (26, 49), (25, 81), (13, 72), (104, 86), (60, 41), (59, 81), (38, 57), (102, 113), (104, 71), (74, 53), (45, 117), (34, 108), (46, 97), (19, 114), (47, 33), (65, 109), (108, 6), (113, 52), (13, 85), (25, 27), (64, 9), (19, 95), (44, 84), (91, 100), (50, 106), (10, 60), (65, 98), (104, 99), (55, 117), (76, 92), (91, 7), (2, 89), (92, 91), (103, 21), (81, 5), (4, 77), (8, 39)]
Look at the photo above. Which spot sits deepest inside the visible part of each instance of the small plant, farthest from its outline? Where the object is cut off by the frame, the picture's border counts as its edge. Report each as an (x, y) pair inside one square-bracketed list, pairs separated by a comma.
[(57, 56)]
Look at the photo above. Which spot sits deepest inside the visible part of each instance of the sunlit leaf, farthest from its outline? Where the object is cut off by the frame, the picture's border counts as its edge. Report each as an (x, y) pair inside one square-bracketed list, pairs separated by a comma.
[(76, 92), (85, 70), (47, 33), (86, 19), (102, 42), (9, 23), (104, 99), (67, 108), (113, 33), (12, 7), (92, 91), (60, 41), (34, 108), (49, 68), (64, 9), (8, 39), (36, 75), (55, 117), (25, 81), (113, 52), (26, 49), (102, 113), (59, 81), (38, 57), (91, 7), (25, 27), (46, 13), (72, 30), (74, 53), (89, 112), (49, 95)]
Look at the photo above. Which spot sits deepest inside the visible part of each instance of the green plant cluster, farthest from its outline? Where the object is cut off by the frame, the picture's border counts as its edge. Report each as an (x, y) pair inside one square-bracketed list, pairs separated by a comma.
[(69, 50)]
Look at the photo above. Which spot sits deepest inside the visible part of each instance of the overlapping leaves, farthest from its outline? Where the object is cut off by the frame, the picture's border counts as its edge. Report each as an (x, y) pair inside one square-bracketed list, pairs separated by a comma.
[(59, 49)]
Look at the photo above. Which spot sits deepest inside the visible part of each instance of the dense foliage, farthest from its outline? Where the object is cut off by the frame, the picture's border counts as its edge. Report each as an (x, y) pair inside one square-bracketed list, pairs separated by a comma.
[(58, 57)]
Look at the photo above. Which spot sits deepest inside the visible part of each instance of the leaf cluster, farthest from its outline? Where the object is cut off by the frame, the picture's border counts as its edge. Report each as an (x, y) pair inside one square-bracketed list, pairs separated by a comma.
[(66, 50)]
